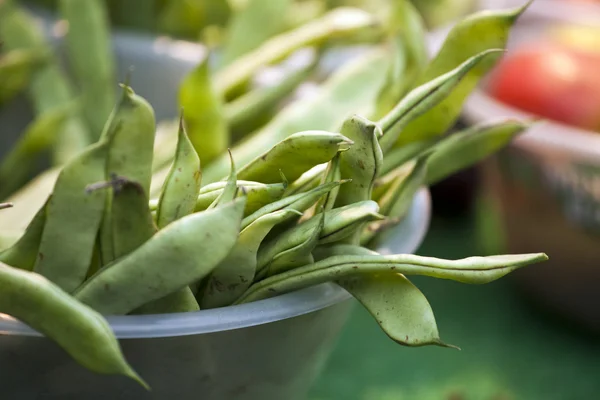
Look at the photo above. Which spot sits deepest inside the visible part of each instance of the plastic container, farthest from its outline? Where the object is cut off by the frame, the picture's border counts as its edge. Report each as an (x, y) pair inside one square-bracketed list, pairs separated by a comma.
[(266, 350), (546, 186)]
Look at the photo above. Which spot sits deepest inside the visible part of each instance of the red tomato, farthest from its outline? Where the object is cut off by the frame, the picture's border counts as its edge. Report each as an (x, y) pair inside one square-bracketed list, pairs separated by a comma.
[(553, 81)]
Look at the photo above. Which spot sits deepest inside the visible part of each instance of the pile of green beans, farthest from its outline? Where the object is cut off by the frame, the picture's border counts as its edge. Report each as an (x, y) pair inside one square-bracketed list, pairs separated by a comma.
[(303, 200)]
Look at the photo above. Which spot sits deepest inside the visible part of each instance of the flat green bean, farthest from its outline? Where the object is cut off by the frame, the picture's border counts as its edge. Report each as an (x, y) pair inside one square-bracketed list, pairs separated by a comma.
[(340, 22), (230, 279), (294, 155), (423, 98), (466, 148), (130, 130), (78, 329), (397, 305), (300, 202), (477, 33), (472, 270), (204, 114), (351, 89), (192, 246), (64, 258), (335, 221), (182, 186)]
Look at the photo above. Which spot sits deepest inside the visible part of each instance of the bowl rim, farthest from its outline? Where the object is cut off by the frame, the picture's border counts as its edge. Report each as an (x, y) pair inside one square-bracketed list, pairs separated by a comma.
[(413, 229)]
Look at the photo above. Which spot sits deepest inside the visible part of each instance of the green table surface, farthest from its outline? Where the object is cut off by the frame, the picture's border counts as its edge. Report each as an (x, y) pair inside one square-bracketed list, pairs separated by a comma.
[(511, 349)]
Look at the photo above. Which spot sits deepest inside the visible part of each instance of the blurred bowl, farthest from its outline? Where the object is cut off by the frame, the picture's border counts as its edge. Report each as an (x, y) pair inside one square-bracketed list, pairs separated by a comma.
[(547, 188), (566, 10)]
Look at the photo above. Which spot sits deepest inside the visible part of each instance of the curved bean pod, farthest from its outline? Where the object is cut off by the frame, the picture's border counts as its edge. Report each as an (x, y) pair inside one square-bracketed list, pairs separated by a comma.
[(359, 164), (130, 130), (491, 29), (335, 221), (204, 114), (398, 306), (235, 273), (423, 98), (396, 201), (300, 202), (258, 195), (295, 155), (300, 254), (470, 146), (342, 21), (332, 174), (79, 330), (64, 258), (182, 186), (184, 252), (351, 89), (472, 270)]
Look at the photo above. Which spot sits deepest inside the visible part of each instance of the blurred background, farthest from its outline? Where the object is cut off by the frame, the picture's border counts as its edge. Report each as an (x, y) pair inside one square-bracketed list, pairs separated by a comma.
[(535, 334)]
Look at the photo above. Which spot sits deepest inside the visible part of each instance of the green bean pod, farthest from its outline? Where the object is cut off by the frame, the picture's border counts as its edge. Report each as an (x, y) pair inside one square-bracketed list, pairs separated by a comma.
[(91, 58), (398, 306), (191, 246), (23, 253), (78, 329), (133, 226), (300, 254), (258, 195), (337, 23), (335, 221), (248, 112), (300, 202), (466, 148), (479, 32), (294, 155), (408, 31), (182, 186), (471, 270), (247, 28), (359, 164), (394, 204), (130, 130), (423, 98), (64, 257), (351, 89), (399, 156), (235, 273), (332, 174), (132, 220), (307, 181), (204, 114)]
